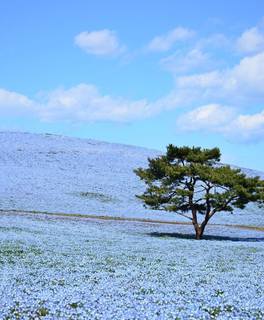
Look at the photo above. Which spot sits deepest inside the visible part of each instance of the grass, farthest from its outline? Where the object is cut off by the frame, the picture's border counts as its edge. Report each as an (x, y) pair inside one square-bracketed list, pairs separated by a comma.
[(97, 196), (13, 251), (113, 218)]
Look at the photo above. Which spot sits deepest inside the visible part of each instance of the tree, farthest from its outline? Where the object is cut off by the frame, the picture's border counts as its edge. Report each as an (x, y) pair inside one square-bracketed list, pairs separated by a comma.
[(192, 182)]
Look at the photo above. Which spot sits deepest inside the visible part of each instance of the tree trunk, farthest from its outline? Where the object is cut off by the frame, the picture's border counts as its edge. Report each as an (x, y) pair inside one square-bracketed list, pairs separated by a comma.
[(199, 232), (199, 229)]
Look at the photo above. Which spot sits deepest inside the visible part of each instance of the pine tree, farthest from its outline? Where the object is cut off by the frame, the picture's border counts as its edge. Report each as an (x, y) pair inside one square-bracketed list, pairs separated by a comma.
[(192, 182)]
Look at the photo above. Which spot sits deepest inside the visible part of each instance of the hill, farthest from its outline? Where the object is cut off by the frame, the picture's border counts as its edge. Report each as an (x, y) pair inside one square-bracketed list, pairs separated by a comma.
[(53, 173)]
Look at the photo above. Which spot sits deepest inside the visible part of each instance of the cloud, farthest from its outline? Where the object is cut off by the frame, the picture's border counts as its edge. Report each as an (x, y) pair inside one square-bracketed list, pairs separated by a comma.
[(182, 62), (13, 102), (100, 42), (85, 103), (81, 103), (211, 117), (251, 41), (241, 84), (247, 128), (166, 41), (224, 120), (215, 40)]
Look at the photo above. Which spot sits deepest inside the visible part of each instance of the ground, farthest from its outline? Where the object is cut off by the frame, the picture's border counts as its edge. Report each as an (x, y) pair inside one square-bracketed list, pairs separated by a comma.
[(74, 268)]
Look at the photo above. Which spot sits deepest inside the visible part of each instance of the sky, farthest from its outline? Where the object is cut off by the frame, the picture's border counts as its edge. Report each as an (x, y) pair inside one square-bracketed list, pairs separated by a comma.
[(146, 73)]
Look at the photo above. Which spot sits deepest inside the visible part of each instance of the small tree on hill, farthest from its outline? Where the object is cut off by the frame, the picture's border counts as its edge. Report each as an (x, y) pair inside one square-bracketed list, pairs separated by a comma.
[(191, 182)]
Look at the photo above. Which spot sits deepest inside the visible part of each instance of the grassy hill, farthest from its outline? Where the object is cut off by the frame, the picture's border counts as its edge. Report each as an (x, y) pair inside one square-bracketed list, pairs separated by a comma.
[(44, 172)]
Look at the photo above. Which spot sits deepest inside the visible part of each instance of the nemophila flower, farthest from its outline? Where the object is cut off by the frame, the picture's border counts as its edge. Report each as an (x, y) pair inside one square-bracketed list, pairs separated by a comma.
[(57, 269)]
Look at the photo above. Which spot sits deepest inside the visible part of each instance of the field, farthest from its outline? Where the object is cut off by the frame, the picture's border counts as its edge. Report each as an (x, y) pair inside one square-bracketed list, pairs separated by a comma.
[(70, 247), (74, 268), (43, 172)]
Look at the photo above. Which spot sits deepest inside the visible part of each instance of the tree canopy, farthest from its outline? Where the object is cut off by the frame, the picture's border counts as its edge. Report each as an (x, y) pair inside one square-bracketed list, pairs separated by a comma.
[(192, 181)]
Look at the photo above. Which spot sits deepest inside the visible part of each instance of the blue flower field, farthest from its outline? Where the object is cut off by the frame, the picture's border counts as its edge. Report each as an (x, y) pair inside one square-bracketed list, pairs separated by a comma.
[(69, 268)]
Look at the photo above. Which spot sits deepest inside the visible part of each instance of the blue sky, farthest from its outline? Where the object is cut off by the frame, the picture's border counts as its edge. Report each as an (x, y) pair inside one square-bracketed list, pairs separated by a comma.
[(146, 73)]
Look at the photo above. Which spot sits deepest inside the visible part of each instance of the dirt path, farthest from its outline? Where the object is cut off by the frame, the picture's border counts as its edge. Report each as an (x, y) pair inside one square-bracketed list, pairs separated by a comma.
[(111, 218)]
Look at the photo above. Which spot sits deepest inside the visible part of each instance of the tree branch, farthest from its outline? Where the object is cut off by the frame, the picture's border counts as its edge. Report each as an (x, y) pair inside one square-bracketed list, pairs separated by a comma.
[(184, 215)]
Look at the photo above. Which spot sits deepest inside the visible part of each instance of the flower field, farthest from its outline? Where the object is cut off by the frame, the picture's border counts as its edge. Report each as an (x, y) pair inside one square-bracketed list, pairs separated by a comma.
[(43, 172), (68, 268)]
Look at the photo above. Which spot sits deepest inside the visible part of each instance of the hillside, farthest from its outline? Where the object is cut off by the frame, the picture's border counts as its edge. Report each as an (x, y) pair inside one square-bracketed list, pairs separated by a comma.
[(44, 172)]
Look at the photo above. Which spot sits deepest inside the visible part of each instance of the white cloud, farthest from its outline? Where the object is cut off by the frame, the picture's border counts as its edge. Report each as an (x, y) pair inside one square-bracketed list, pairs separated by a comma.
[(224, 120), (85, 103), (203, 80), (211, 117), (252, 40), (241, 86), (166, 41), (180, 62), (247, 128), (249, 73), (100, 42), (215, 40), (242, 83), (14, 102), (81, 103)]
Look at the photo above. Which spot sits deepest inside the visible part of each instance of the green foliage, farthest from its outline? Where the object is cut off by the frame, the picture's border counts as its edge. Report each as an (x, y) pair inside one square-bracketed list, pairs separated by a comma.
[(191, 180), (97, 196), (42, 312)]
